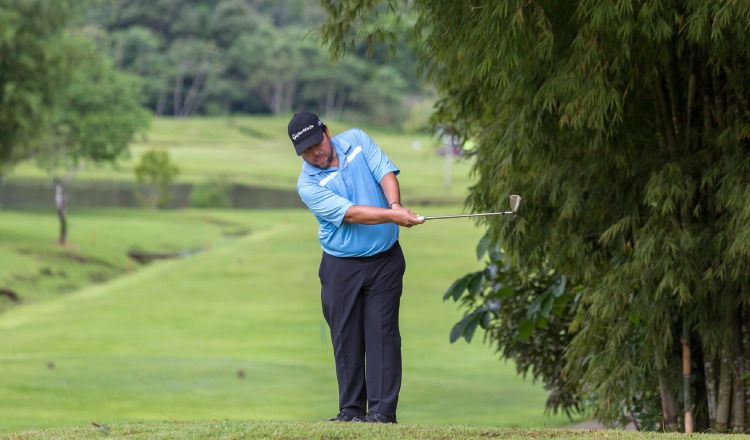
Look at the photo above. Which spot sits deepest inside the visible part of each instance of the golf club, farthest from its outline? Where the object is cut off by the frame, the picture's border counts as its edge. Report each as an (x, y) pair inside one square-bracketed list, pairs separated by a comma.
[(515, 202)]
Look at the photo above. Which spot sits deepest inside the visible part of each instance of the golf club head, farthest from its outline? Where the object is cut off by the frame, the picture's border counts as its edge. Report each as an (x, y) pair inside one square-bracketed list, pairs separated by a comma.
[(515, 202)]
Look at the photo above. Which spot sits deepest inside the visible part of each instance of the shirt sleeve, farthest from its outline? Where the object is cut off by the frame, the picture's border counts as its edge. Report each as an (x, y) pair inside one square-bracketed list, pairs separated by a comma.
[(324, 203), (377, 161)]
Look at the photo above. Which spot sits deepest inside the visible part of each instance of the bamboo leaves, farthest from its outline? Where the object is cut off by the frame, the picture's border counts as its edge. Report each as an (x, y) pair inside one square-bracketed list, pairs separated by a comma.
[(626, 125)]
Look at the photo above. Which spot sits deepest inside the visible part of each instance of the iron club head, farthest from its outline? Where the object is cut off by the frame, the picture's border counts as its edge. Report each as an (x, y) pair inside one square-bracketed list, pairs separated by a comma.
[(515, 202)]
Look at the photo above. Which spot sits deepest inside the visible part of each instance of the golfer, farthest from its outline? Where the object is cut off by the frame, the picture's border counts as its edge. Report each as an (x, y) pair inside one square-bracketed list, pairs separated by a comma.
[(350, 186)]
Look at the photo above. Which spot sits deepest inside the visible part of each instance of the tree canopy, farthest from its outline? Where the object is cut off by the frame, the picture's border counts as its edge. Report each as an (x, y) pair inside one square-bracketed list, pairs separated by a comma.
[(209, 57), (626, 127), (32, 70)]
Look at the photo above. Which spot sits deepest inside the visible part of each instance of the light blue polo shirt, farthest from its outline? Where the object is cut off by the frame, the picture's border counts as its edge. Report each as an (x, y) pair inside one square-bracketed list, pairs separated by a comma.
[(329, 193)]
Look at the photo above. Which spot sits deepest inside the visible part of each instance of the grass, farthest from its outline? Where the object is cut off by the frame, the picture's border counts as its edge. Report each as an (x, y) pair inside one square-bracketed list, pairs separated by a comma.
[(38, 269), (226, 429), (256, 151), (235, 332), (230, 342)]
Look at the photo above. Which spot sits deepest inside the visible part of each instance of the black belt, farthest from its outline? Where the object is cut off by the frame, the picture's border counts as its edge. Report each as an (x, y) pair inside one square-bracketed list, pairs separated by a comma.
[(377, 256)]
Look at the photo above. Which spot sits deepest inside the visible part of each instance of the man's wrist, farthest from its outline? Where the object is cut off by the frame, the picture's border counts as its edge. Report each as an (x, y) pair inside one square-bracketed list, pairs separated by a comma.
[(395, 203)]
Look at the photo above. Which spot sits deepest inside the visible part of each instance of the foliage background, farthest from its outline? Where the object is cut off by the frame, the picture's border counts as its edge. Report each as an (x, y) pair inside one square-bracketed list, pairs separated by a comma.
[(201, 57)]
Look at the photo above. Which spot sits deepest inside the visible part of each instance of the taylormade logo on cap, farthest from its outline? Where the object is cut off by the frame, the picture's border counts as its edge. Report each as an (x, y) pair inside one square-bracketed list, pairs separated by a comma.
[(299, 133)]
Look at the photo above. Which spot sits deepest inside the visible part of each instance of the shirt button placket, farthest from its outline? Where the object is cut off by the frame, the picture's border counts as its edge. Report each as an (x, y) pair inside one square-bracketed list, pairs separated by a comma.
[(347, 181)]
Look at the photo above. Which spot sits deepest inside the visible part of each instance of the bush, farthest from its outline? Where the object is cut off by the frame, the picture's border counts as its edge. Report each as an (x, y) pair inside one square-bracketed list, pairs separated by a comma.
[(216, 193)]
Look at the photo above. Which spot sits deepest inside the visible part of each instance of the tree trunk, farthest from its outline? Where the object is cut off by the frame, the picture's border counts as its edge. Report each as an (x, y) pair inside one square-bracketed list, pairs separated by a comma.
[(60, 204), (161, 102), (291, 93), (193, 93), (686, 371), (177, 97), (709, 371), (199, 99), (278, 96), (668, 405), (738, 373), (724, 397), (745, 347)]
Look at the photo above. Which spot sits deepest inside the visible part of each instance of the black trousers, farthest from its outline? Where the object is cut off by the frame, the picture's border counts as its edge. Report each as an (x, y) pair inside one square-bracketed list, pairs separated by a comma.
[(361, 298)]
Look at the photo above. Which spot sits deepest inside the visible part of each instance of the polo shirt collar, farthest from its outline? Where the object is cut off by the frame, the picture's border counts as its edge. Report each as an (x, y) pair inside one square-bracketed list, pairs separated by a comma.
[(342, 151)]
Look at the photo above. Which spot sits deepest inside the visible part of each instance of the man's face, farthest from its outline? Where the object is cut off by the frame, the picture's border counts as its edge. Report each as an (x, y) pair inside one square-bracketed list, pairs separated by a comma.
[(320, 155)]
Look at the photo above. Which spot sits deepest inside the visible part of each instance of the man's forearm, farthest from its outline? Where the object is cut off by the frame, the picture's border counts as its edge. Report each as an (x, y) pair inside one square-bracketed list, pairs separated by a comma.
[(373, 215), (391, 189), (369, 215)]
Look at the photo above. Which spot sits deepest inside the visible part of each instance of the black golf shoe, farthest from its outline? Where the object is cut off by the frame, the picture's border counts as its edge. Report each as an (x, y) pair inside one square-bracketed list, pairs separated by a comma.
[(374, 417), (344, 417)]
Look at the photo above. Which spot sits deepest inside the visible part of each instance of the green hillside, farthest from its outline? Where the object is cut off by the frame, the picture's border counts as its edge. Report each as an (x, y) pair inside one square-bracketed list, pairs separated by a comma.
[(256, 151)]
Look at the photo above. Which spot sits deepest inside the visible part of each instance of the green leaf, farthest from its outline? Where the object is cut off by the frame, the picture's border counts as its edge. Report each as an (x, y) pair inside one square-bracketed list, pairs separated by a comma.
[(496, 254), (504, 292), (542, 323), (475, 283), (485, 320), (471, 328), (457, 288), (559, 306), (533, 308), (525, 330), (546, 306), (458, 330), (559, 288), (483, 245)]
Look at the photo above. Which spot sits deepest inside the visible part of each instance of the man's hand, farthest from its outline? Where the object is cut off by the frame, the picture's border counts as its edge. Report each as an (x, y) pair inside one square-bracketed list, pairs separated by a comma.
[(405, 217)]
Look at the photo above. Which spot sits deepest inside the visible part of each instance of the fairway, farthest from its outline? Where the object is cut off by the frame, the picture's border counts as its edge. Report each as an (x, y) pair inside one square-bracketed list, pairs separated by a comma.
[(235, 332)]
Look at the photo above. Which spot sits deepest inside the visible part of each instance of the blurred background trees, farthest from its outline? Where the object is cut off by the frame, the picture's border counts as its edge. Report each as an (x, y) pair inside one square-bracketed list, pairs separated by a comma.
[(201, 57), (33, 69)]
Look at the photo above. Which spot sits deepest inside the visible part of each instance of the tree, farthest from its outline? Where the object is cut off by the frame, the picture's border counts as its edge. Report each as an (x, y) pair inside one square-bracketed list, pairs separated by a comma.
[(193, 65), (32, 72), (137, 50), (331, 89), (156, 170), (626, 126), (241, 56), (97, 114)]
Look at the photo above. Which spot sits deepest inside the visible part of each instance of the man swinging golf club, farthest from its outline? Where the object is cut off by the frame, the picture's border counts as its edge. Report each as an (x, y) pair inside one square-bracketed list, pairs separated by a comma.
[(350, 186)]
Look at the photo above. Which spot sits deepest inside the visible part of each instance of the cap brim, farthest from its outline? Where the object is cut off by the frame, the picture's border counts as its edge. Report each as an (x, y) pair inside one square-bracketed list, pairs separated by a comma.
[(313, 139)]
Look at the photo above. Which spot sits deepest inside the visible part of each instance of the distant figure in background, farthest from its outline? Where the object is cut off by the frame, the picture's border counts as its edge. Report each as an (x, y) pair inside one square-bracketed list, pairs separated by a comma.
[(351, 187)]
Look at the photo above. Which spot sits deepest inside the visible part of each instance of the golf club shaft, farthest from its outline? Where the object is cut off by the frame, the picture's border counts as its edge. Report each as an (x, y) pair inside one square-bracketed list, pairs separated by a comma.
[(437, 217)]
